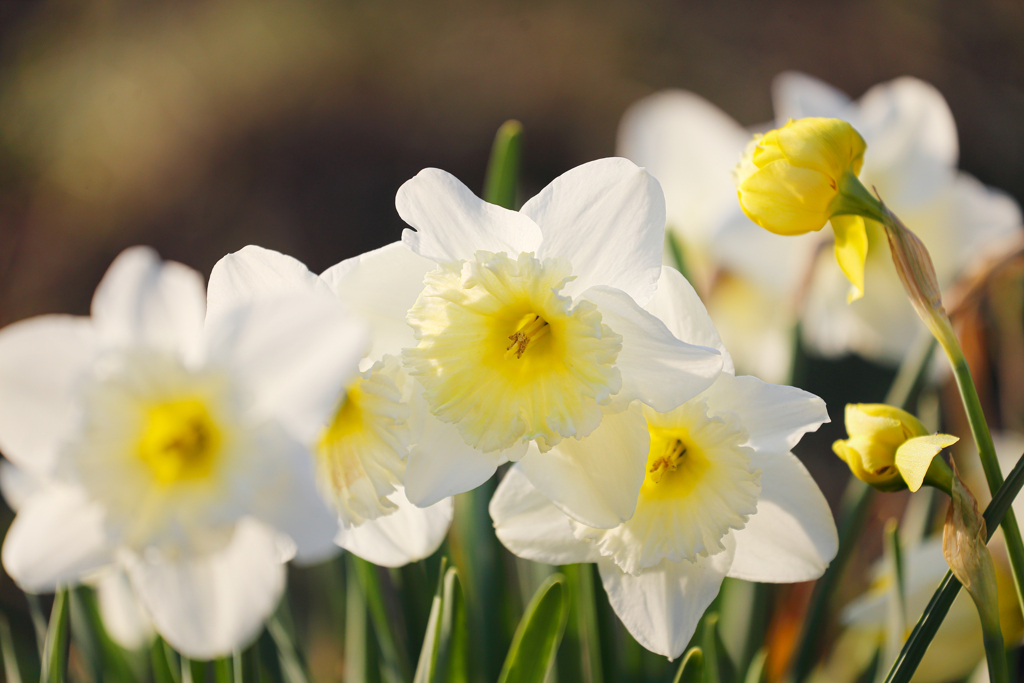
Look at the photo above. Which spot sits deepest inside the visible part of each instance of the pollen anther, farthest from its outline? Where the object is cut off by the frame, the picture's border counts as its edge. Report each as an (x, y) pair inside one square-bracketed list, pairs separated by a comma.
[(669, 461), (531, 328)]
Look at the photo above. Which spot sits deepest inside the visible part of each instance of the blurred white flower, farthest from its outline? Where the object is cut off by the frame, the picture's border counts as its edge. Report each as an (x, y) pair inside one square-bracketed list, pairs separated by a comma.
[(361, 453), (172, 449), (911, 160), (531, 331), (722, 496)]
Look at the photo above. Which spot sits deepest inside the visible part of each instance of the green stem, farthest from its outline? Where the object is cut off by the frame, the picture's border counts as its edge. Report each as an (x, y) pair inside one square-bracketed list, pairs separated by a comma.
[(583, 621), (995, 652), (987, 454), (55, 650), (392, 649)]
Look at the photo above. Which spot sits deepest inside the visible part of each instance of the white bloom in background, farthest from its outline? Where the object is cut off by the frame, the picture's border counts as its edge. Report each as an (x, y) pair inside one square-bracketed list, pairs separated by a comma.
[(361, 453), (911, 160), (531, 331), (171, 449), (722, 496)]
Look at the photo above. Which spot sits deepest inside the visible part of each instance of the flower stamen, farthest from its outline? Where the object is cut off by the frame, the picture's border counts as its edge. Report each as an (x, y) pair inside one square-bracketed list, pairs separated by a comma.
[(531, 328), (669, 461), (180, 441)]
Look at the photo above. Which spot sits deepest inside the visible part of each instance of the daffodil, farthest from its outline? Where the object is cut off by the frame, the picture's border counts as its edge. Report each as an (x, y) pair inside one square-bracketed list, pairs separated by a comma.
[(530, 332), (361, 452), (691, 147), (795, 179), (172, 448), (721, 495), (890, 449)]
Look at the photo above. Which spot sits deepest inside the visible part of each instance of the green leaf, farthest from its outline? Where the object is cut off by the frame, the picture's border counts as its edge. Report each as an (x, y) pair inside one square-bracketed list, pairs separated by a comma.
[(717, 664), (538, 635), (223, 671), (395, 659), (427, 664), (921, 637), (757, 671), (580, 655), (292, 668), (691, 670), (453, 650), (55, 648), (164, 663), (12, 673), (503, 167)]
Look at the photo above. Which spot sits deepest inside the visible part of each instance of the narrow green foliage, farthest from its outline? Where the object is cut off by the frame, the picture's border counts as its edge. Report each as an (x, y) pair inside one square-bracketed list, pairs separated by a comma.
[(539, 634), (12, 673), (718, 666), (163, 663), (675, 248), (757, 671), (581, 628), (691, 670), (453, 650), (427, 664), (395, 659), (503, 168), (913, 650), (193, 671), (223, 671), (58, 639), (108, 660), (292, 668)]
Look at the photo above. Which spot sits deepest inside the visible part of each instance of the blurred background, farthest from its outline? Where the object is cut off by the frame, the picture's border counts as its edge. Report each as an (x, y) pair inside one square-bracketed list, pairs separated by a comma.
[(200, 127)]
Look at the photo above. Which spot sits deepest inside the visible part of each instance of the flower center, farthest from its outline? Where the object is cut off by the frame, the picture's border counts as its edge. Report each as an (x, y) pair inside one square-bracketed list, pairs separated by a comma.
[(674, 468), (530, 328), (179, 441)]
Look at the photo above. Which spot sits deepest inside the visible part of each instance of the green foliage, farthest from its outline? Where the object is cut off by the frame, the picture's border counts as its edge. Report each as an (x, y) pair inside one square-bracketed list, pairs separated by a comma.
[(691, 670), (58, 639), (539, 634)]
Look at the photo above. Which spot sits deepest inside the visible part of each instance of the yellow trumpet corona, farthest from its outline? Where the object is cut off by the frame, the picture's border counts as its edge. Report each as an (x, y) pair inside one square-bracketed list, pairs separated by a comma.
[(797, 178), (890, 449)]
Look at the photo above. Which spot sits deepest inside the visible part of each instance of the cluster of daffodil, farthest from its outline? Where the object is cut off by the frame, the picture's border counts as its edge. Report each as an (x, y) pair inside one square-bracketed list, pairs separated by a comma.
[(179, 448)]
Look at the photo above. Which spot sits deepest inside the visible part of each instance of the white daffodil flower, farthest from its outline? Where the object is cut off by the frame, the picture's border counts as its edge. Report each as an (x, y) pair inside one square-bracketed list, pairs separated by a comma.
[(531, 331), (361, 453), (172, 449), (722, 495), (911, 160)]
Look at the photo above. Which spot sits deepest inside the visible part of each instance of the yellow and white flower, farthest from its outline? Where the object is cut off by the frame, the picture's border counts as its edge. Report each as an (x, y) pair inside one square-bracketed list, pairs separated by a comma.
[(361, 452), (173, 449), (530, 333), (722, 496), (911, 160)]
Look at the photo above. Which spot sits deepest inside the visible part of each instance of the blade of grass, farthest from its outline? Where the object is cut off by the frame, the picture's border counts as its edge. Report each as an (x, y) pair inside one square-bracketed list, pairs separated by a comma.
[(691, 670), (503, 166), (395, 659), (718, 667), (453, 659), (12, 673), (581, 629), (928, 625), (539, 633), (58, 640), (292, 668), (163, 664), (223, 671), (427, 663)]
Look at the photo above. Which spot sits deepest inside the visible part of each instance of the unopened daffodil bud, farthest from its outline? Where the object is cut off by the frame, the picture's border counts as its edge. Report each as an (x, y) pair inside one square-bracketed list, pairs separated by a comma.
[(890, 449), (797, 178)]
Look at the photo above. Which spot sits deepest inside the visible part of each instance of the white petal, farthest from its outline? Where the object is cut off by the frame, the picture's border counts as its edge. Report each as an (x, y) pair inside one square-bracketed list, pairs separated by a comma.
[(595, 480), (677, 305), (124, 617), (796, 95), (211, 606), (656, 368), (42, 360), (382, 285), (775, 415), (440, 462), (407, 535), (792, 537), (691, 147), (295, 353), (56, 538), (254, 273), (993, 216), (452, 223), (279, 488), (17, 485), (608, 218), (661, 606), (143, 301), (530, 526)]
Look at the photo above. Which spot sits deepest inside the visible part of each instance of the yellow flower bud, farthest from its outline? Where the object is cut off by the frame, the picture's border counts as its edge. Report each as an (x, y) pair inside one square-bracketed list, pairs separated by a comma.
[(797, 178), (890, 449)]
